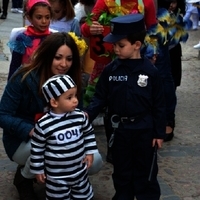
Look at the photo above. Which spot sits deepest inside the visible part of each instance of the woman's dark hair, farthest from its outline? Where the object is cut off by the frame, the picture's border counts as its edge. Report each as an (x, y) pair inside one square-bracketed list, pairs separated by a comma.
[(87, 2), (74, 2), (42, 59), (132, 38)]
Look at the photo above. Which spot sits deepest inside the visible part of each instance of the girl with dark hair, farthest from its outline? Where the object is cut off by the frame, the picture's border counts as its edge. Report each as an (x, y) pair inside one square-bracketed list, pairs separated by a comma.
[(63, 19), (38, 13)]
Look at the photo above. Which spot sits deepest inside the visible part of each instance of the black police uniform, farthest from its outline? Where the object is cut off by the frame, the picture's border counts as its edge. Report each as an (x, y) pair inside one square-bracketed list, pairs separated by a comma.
[(140, 112)]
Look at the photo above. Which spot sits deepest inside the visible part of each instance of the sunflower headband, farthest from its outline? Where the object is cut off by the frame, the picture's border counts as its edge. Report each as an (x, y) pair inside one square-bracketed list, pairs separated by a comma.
[(81, 44)]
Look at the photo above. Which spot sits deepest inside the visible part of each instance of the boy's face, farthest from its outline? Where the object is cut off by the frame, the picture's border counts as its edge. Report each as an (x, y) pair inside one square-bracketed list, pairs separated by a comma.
[(67, 102), (173, 6), (125, 50)]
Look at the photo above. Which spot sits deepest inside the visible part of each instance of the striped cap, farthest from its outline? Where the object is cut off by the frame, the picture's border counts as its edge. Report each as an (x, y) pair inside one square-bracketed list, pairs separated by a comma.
[(57, 85)]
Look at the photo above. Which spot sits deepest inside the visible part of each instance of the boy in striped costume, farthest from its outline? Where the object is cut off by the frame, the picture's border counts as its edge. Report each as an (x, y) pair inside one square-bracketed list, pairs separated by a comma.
[(63, 143)]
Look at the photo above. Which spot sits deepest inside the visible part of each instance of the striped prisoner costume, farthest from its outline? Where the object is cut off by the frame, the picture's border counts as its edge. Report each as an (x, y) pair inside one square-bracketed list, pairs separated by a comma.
[(59, 144)]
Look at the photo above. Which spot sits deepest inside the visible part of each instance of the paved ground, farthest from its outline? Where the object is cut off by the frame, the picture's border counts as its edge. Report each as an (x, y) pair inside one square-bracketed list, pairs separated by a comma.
[(179, 160)]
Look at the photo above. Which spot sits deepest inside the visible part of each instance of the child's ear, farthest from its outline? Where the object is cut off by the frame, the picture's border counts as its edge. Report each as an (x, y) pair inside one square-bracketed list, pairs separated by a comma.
[(53, 103), (138, 45)]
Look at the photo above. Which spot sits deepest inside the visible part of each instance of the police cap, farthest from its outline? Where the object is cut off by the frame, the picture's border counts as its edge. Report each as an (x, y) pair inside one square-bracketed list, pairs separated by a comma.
[(124, 25)]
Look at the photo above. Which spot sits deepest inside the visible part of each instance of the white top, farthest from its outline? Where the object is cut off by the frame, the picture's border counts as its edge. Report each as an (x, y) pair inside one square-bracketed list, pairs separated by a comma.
[(64, 25)]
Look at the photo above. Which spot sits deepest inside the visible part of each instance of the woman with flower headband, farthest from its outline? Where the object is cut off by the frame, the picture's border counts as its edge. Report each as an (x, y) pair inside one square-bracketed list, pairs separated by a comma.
[(38, 13), (22, 102)]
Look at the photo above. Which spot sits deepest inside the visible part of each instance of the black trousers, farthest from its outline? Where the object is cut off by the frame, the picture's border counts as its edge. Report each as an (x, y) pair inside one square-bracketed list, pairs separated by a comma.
[(5, 7), (176, 64), (132, 153)]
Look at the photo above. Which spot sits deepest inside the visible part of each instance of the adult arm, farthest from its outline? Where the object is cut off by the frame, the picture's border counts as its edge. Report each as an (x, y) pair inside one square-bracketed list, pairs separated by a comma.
[(16, 62), (97, 10), (10, 119), (150, 13)]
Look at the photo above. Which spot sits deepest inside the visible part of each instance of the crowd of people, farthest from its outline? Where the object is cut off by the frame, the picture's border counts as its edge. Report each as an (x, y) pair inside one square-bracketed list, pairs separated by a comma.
[(77, 59)]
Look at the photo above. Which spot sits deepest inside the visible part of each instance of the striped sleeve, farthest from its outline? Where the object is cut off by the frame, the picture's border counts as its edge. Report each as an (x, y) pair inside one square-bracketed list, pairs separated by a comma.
[(38, 143), (89, 137)]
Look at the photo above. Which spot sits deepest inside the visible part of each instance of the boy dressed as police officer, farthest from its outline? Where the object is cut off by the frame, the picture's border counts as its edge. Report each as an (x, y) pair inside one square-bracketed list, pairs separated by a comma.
[(132, 90)]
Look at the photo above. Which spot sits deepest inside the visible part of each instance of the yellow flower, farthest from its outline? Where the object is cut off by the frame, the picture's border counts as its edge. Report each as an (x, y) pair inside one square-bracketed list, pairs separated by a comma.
[(81, 44)]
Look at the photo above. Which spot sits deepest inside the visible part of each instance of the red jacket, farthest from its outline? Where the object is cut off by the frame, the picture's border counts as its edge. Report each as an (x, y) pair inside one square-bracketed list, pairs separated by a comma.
[(100, 7)]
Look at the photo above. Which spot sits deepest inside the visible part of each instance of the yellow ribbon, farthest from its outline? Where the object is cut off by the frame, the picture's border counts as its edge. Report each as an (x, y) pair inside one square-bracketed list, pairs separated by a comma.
[(115, 9)]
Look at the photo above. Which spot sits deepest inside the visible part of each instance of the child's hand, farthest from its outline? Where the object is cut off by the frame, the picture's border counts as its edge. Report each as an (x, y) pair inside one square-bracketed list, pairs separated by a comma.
[(40, 178), (89, 160), (158, 142), (153, 59)]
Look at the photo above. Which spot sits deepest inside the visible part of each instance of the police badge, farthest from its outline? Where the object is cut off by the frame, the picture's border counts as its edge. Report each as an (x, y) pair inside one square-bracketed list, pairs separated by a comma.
[(142, 80)]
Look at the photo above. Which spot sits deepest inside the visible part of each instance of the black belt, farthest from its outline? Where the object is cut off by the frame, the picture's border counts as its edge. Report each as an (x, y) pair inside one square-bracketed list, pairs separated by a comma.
[(117, 119), (127, 119)]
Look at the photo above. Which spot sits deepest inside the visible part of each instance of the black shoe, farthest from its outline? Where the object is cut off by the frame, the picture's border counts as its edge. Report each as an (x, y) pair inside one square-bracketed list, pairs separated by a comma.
[(24, 186), (3, 16)]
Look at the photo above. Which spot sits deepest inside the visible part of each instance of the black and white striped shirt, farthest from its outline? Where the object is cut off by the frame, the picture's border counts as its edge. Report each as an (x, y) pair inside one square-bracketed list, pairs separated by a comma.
[(60, 143)]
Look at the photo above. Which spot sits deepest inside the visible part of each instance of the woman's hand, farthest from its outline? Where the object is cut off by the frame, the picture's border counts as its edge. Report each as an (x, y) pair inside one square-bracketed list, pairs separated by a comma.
[(31, 132), (96, 28)]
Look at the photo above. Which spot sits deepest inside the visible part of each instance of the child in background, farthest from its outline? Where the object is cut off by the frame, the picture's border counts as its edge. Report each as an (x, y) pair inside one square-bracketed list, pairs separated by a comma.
[(175, 51), (131, 88), (82, 9), (197, 4), (17, 6), (168, 61), (63, 19), (38, 13), (192, 12), (63, 143)]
